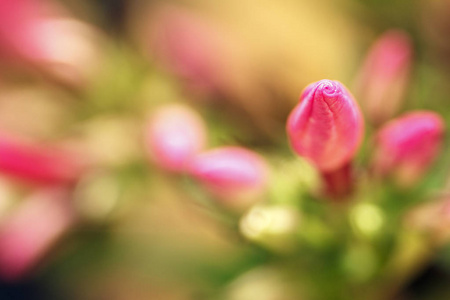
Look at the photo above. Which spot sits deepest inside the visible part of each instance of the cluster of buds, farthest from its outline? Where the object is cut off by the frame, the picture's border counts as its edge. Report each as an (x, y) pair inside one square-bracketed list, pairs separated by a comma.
[(41, 37), (28, 231), (326, 127), (175, 140)]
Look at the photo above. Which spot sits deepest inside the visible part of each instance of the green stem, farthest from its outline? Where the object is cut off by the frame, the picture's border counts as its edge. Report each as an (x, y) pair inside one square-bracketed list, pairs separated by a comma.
[(339, 183)]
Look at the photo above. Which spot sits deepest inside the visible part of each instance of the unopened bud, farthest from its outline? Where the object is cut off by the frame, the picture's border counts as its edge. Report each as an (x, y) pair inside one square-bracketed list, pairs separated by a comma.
[(174, 135), (37, 33), (408, 145), (31, 230), (235, 175), (39, 164), (384, 77), (326, 127)]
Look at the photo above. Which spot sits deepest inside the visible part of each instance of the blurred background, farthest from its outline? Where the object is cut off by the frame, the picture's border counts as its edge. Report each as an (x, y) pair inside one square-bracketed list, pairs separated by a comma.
[(90, 210)]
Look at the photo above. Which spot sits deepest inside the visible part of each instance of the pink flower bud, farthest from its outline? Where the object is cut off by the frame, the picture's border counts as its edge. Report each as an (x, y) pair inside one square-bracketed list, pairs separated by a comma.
[(326, 126), (31, 230), (408, 145), (233, 174), (38, 34), (189, 46), (38, 164), (383, 79), (174, 135)]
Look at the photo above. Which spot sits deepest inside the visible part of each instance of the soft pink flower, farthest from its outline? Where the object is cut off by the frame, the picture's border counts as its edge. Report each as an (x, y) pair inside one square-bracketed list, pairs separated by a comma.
[(233, 174), (39, 164), (383, 79), (326, 126), (31, 230), (173, 136), (408, 145)]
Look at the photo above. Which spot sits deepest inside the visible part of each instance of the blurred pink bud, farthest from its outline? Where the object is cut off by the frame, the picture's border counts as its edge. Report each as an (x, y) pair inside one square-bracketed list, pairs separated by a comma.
[(39, 164), (326, 126), (37, 33), (189, 46), (17, 18), (234, 174), (31, 230), (384, 77), (406, 146), (173, 136)]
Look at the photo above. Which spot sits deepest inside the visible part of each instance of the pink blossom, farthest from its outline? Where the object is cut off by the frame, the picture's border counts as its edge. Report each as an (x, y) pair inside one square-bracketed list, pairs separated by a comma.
[(326, 127), (31, 230), (231, 173), (173, 136), (39, 164), (383, 79), (17, 19), (408, 145), (39, 34)]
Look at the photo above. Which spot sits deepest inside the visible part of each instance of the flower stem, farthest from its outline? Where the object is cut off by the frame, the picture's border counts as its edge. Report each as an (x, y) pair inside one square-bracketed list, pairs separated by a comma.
[(339, 183)]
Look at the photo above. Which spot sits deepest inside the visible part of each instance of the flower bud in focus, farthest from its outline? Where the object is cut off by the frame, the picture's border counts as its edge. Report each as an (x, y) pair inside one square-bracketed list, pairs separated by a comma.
[(38, 34), (326, 127), (39, 164), (173, 136), (31, 230), (235, 175), (406, 147), (384, 77)]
